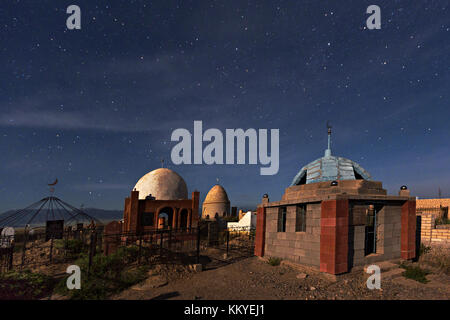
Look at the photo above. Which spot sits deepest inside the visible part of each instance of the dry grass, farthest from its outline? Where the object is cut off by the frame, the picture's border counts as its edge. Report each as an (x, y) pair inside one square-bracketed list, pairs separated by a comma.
[(437, 257)]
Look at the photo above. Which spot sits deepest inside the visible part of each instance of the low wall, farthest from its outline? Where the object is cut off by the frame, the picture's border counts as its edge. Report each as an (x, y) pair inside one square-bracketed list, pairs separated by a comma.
[(434, 235)]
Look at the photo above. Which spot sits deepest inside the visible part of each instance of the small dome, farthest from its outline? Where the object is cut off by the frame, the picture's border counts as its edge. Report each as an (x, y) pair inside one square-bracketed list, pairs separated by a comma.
[(330, 168), (163, 184), (216, 203), (216, 194)]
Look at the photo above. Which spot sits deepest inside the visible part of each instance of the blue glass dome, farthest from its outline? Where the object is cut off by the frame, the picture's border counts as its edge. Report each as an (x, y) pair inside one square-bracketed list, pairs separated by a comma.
[(330, 168)]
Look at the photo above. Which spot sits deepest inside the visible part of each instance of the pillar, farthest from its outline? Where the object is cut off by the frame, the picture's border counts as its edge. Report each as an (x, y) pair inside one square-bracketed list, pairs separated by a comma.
[(195, 208), (189, 222), (155, 219), (408, 233), (260, 236), (178, 214), (134, 212), (174, 218), (334, 236)]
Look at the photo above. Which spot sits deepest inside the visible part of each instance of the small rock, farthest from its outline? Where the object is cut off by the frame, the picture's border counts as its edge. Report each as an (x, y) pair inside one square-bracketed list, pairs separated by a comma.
[(151, 282), (302, 276), (196, 267), (312, 288)]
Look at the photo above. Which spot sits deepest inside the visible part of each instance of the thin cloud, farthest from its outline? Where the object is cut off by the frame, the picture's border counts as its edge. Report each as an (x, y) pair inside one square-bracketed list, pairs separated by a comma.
[(73, 121), (102, 186)]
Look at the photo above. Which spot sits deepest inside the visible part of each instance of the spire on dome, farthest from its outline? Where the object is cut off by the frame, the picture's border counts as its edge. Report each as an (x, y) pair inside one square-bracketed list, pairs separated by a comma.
[(328, 151)]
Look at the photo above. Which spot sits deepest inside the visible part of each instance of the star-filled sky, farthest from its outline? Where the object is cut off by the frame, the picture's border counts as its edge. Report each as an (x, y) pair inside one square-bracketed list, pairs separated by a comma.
[(96, 107)]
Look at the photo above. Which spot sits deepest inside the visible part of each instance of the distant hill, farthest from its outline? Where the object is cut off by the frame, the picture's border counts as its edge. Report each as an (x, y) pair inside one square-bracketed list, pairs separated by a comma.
[(100, 214)]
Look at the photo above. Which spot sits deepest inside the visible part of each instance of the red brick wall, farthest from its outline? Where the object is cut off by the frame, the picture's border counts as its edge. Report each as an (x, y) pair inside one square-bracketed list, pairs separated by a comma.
[(260, 236), (334, 236), (408, 236)]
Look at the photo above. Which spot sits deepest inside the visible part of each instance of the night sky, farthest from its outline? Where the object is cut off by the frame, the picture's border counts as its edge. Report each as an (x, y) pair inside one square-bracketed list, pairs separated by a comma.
[(96, 107)]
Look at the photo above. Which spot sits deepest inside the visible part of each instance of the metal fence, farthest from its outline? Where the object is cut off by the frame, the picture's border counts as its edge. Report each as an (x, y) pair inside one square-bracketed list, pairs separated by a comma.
[(184, 246)]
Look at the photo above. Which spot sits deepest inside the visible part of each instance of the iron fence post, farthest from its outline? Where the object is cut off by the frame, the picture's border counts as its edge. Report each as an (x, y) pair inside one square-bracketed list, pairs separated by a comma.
[(100, 241), (140, 249), (51, 250), (228, 240), (24, 249), (170, 239), (91, 254), (11, 257), (161, 235), (95, 243), (198, 244), (66, 241)]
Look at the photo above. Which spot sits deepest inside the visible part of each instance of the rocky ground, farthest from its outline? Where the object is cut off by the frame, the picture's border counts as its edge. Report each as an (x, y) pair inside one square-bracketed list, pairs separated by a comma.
[(254, 278)]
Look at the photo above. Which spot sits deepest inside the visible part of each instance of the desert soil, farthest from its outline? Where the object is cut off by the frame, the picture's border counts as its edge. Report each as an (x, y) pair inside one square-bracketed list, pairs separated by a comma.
[(254, 278)]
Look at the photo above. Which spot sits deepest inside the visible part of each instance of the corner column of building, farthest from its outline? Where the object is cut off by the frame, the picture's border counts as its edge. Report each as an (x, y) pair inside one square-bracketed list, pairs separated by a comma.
[(334, 236), (195, 208), (427, 226), (408, 234), (260, 237), (134, 212)]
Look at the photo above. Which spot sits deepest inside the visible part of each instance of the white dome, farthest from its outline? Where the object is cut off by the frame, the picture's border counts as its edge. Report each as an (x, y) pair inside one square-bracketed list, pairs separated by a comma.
[(163, 184)]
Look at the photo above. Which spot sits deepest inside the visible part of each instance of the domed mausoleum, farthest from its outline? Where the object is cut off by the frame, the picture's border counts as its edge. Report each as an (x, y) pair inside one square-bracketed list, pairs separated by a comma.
[(216, 202), (160, 200), (333, 217)]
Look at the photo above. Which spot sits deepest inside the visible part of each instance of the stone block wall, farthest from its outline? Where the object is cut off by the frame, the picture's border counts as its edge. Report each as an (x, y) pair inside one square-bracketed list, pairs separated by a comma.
[(299, 247), (388, 228)]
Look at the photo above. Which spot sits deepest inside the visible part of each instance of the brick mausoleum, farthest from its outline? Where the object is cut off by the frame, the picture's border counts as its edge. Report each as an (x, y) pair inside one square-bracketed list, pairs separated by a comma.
[(160, 201), (333, 217)]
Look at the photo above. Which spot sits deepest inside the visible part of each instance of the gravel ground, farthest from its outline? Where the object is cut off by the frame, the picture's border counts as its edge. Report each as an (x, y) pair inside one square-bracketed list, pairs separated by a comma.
[(253, 278)]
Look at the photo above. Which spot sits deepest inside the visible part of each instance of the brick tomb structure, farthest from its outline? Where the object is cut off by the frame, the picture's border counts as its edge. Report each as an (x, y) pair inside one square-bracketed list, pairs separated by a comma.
[(333, 217), (159, 201), (150, 214)]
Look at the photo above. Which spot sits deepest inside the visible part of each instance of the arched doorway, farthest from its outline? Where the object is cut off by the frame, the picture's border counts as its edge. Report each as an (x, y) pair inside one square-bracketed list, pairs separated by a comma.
[(165, 218), (183, 219)]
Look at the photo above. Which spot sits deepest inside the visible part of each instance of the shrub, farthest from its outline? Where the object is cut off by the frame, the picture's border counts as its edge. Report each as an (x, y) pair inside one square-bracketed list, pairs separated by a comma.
[(230, 219), (25, 285), (442, 220), (108, 275), (415, 273), (437, 257), (424, 249), (73, 247), (274, 261)]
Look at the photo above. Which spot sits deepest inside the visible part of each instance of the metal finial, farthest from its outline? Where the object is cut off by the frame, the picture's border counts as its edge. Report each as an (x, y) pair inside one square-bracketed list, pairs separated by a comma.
[(329, 127), (162, 162), (328, 151)]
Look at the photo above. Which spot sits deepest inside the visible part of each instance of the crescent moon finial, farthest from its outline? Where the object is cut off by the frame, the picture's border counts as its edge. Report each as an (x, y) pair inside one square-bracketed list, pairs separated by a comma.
[(54, 183)]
